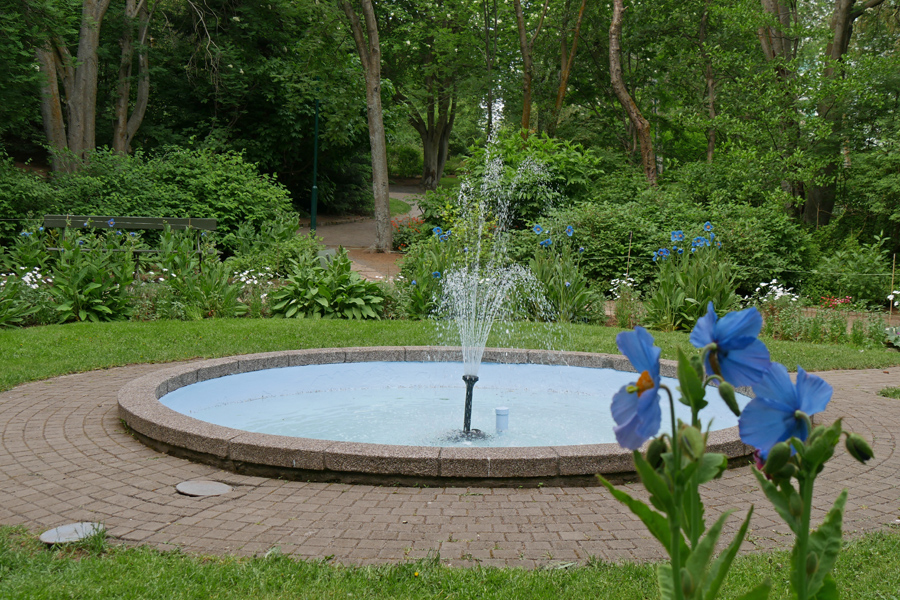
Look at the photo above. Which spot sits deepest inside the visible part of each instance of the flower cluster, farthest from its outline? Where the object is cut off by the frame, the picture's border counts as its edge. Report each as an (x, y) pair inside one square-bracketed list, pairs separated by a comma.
[(618, 286), (546, 243), (251, 277), (33, 278), (662, 254), (772, 291), (892, 295), (835, 303), (441, 234)]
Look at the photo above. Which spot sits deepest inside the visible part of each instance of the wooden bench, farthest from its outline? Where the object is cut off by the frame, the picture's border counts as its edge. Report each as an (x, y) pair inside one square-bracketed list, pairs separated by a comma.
[(110, 223)]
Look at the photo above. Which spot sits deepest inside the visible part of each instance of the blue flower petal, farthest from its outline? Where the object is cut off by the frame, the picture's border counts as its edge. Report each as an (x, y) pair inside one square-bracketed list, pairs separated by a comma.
[(638, 347), (764, 423), (814, 392)]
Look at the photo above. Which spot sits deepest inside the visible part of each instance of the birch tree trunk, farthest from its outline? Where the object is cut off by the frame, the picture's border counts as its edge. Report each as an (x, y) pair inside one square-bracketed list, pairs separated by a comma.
[(369, 49)]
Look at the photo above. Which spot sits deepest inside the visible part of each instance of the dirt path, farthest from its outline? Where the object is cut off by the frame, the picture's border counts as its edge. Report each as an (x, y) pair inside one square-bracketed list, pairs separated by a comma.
[(357, 236)]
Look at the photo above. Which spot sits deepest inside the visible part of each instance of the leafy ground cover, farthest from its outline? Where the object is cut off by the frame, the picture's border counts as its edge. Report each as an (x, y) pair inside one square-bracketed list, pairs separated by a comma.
[(890, 392), (39, 352), (867, 568)]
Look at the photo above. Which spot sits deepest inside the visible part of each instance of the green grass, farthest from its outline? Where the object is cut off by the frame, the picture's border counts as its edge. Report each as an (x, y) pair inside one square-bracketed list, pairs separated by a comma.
[(890, 392), (399, 207), (867, 568), (42, 352)]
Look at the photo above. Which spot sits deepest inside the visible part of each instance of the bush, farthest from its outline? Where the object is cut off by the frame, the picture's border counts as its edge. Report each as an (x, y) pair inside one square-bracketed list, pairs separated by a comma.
[(538, 174), (335, 291), (860, 271), (179, 182), (23, 195), (405, 161), (688, 281)]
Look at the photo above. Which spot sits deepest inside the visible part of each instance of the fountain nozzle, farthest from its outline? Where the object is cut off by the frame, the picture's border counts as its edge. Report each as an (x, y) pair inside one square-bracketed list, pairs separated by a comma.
[(470, 384)]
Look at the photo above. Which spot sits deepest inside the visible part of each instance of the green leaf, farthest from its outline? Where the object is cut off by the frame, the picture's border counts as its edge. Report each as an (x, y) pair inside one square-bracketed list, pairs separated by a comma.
[(656, 523), (828, 591), (778, 498), (654, 484), (719, 568), (760, 592), (825, 542), (666, 581), (698, 559), (712, 465)]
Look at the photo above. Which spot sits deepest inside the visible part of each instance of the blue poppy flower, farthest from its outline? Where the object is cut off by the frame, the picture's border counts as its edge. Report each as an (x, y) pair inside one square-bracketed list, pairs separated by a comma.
[(718, 244), (537, 229), (25, 233), (570, 230), (111, 222), (678, 250), (81, 242), (635, 407), (677, 236), (742, 358), (413, 282), (85, 224), (663, 253), (655, 256), (771, 417), (40, 228), (546, 243), (581, 250), (132, 234), (436, 274), (118, 232), (437, 231), (444, 237), (465, 248), (707, 226), (568, 284)]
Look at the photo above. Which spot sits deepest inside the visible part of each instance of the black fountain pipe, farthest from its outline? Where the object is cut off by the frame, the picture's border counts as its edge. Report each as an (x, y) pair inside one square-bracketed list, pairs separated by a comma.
[(470, 384)]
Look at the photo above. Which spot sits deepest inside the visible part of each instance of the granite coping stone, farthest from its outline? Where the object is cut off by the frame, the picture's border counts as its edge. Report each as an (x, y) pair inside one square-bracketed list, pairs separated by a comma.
[(170, 431)]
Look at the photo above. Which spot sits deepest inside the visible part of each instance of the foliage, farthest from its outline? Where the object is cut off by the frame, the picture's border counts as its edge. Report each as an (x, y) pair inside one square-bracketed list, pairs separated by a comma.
[(628, 308), (676, 464), (13, 311), (92, 276), (688, 281), (861, 271), (892, 336), (418, 288), (538, 174), (208, 292), (335, 291), (176, 182), (890, 392), (557, 267), (408, 231), (23, 195), (404, 161)]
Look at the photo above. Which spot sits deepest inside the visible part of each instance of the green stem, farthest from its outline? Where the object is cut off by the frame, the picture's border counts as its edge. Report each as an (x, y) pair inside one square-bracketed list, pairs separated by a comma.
[(674, 520), (806, 490)]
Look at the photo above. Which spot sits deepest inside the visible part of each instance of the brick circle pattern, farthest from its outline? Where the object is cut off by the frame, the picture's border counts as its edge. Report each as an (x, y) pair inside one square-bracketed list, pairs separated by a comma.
[(65, 457)]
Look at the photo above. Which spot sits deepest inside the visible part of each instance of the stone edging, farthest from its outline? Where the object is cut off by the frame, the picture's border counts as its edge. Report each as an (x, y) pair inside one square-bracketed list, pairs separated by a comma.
[(319, 460)]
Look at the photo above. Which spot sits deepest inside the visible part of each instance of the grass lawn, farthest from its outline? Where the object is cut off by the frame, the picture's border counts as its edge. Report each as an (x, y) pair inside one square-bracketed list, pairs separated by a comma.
[(399, 207), (868, 567)]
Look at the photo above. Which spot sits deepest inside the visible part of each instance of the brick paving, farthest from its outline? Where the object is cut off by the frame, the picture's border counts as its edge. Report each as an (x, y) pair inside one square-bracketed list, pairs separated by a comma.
[(65, 457)]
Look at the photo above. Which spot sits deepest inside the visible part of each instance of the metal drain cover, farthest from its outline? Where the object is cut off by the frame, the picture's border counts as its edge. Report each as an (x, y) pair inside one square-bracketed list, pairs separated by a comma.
[(201, 487)]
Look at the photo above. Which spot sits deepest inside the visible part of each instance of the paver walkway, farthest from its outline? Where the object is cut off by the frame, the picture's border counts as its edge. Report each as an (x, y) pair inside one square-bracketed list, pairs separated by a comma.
[(65, 457)]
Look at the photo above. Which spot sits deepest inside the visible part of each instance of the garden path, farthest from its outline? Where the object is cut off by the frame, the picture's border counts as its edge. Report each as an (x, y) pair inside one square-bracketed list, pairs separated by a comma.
[(65, 457), (357, 235)]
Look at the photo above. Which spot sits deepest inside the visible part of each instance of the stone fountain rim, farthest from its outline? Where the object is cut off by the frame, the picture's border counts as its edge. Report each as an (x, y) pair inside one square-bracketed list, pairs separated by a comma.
[(352, 462)]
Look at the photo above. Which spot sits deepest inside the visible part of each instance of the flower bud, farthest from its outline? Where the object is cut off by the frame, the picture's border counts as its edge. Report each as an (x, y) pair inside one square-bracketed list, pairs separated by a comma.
[(858, 448), (795, 505), (692, 442), (726, 391), (687, 583), (779, 456), (655, 451), (697, 364), (785, 472), (812, 563)]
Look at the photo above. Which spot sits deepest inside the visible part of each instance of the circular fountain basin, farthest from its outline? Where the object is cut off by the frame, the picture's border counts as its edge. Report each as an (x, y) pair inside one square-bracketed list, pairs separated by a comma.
[(387, 415)]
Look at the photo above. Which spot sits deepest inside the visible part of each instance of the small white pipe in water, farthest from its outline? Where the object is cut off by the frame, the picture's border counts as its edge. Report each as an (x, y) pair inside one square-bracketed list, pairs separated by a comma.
[(502, 414)]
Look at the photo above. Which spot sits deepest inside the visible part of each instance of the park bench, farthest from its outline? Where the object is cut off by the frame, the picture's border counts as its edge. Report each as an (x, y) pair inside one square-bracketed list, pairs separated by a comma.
[(114, 223)]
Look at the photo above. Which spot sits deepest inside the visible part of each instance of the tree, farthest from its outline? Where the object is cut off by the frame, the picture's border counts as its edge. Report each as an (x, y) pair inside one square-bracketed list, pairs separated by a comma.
[(369, 49), (526, 45), (640, 124)]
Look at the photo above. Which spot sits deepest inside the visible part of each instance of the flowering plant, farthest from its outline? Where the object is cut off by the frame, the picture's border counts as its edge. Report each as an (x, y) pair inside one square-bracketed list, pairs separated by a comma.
[(676, 463)]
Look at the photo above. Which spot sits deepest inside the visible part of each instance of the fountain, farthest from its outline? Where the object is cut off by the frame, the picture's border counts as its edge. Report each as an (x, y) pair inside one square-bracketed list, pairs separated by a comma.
[(480, 288)]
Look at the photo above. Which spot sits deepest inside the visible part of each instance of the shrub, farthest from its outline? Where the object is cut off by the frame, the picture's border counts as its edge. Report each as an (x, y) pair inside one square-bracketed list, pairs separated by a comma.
[(179, 182), (687, 282), (407, 231), (860, 271), (335, 291), (23, 195), (405, 161)]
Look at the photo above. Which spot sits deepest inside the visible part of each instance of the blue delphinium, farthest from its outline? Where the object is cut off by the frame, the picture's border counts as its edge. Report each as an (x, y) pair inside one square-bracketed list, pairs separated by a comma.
[(635, 407), (781, 409), (739, 357)]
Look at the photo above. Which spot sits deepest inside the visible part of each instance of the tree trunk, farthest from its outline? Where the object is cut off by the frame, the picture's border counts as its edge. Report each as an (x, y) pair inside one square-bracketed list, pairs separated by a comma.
[(126, 126), (435, 129), (710, 86), (567, 59), (527, 47), (369, 49), (640, 124)]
